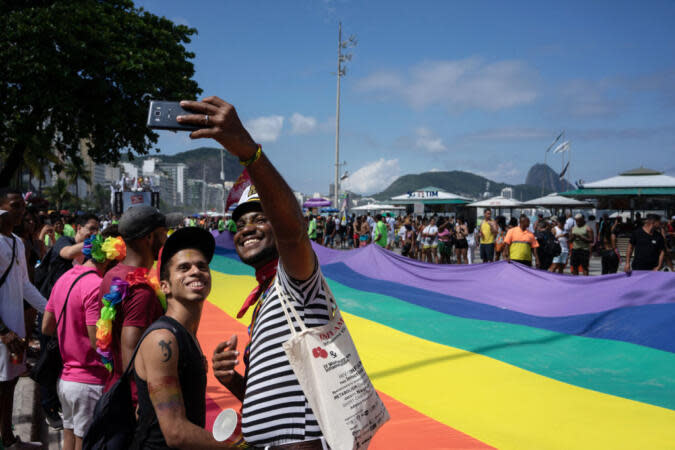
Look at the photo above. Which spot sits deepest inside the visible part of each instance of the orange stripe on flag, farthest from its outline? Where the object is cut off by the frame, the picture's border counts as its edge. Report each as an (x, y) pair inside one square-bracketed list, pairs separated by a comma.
[(407, 429)]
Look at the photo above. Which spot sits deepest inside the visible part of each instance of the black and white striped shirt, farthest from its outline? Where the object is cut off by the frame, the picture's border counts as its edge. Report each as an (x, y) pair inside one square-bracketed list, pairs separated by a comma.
[(275, 409)]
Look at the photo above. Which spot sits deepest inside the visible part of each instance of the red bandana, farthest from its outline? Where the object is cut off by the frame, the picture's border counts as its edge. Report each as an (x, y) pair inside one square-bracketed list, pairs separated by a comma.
[(263, 274)]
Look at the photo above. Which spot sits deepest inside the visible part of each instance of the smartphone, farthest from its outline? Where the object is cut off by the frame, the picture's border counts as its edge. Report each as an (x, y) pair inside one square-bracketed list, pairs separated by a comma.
[(162, 116)]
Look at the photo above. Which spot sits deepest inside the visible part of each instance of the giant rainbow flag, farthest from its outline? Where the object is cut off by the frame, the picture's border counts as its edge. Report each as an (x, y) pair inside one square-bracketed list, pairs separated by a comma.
[(489, 356)]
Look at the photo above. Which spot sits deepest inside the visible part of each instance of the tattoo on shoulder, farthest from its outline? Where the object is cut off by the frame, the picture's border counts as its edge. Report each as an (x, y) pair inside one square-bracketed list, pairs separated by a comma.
[(166, 350)]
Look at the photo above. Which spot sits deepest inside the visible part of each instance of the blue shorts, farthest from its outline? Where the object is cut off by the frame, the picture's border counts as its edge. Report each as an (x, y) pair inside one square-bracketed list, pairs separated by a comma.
[(561, 258)]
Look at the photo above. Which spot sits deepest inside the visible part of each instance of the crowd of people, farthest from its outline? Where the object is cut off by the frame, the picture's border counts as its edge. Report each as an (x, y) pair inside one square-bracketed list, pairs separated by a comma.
[(547, 243), (127, 292)]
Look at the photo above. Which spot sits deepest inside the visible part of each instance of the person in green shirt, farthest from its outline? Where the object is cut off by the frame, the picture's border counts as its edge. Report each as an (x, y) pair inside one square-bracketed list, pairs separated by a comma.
[(380, 232), (311, 230), (221, 225), (581, 237), (231, 225), (68, 229)]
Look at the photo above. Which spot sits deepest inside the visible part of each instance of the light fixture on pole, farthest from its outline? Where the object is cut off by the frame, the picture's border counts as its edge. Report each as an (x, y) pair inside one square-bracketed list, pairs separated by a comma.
[(342, 70)]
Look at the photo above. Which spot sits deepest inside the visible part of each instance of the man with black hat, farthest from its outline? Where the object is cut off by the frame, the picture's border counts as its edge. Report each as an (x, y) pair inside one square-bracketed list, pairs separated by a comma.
[(170, 367), (272, 238), (143, 229)]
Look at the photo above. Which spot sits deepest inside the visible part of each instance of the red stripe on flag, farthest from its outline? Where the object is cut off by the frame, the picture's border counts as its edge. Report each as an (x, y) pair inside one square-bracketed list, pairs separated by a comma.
[(407, 429)]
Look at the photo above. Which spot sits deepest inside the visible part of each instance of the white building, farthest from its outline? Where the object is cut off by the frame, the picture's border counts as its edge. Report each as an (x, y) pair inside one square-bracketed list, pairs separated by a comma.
[(507, 192), (176, 173)]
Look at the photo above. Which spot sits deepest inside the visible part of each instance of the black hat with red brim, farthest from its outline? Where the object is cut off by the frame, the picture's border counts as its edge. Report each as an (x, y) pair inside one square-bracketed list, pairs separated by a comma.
[(184, 238)]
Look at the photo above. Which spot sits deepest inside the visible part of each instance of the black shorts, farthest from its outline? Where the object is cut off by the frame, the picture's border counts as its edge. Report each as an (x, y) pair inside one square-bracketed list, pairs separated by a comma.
[(461, 244), (580, 258)]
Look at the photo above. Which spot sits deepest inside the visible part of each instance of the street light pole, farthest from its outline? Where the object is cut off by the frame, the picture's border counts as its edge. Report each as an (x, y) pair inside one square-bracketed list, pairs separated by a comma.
[(222, 179), (341, 71)]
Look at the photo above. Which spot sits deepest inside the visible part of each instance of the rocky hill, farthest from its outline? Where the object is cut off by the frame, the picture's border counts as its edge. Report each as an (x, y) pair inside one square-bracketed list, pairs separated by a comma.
[(198, 159), (458, 182), (543, 175)]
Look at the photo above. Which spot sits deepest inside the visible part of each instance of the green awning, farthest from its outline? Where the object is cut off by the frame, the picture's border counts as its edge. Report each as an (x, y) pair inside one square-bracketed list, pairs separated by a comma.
[(435, 201), (603, 192)]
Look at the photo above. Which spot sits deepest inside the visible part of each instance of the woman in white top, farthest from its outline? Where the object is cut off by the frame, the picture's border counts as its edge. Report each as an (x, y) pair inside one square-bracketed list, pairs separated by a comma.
[(430, 236), (560, 261)]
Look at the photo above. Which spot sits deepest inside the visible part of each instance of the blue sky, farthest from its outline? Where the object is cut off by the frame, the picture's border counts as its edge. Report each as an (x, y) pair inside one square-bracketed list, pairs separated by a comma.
[(440, 85)]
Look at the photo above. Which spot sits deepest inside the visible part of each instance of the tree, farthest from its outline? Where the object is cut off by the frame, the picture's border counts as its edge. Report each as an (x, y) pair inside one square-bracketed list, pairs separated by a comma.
[(58, 193), (85, 69), (99, 199), (75, 171)]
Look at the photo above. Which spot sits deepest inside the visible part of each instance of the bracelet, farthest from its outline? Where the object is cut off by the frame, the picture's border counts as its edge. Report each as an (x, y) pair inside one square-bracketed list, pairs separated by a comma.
[(253, 159)]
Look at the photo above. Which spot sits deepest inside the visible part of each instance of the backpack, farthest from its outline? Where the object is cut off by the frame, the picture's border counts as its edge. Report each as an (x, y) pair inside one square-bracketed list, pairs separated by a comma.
[(114, 423), (41, 277), (549, 244), (51, 269)]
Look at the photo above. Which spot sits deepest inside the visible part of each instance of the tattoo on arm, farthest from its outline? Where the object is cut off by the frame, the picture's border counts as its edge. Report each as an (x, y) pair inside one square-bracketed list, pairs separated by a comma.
[(166, 395), (166, 350)]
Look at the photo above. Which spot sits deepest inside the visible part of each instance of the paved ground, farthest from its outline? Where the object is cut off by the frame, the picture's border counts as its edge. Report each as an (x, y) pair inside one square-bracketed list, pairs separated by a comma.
[(29, 424)]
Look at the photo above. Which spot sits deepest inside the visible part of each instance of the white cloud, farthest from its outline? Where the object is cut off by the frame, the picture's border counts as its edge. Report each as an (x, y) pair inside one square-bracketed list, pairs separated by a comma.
[(458, 84), (265, 129), (302, 124), (373, 177), (427, 141)]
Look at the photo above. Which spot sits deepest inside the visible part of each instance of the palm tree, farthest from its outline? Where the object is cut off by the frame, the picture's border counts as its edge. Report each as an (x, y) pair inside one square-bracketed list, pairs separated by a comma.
[(75, 171), (58, 193)]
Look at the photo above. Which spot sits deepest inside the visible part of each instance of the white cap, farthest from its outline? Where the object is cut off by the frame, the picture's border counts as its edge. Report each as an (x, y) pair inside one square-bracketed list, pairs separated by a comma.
[(248, 201)]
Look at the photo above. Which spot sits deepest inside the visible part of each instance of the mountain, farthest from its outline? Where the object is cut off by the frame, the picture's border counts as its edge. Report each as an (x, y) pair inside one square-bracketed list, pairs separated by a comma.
[(458, 182), (203, 157), (542, 175)]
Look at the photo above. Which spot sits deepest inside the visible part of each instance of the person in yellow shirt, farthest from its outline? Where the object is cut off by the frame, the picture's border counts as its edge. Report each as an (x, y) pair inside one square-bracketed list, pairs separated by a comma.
[(488, 233), (521, 243)]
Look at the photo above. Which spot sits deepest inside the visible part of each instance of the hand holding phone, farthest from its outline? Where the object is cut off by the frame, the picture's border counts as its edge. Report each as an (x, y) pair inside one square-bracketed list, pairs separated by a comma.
[(162, 116)]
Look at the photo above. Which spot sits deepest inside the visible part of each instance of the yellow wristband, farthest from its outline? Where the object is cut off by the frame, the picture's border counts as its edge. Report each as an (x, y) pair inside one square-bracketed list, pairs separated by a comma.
[(253, 159)]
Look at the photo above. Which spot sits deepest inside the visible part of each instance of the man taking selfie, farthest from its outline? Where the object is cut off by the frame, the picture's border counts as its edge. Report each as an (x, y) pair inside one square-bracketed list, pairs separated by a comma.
[(271, 237)]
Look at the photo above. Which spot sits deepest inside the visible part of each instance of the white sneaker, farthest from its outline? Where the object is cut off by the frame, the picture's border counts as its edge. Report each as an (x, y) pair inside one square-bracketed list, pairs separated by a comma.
[(20, 445)]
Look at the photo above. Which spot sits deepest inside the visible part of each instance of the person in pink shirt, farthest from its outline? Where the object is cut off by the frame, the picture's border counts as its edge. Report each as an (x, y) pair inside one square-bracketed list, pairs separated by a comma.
[(81, 382)]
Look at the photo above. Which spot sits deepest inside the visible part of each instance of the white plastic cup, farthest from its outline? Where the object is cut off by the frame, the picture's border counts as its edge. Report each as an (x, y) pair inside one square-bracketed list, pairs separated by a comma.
[(227, 427)]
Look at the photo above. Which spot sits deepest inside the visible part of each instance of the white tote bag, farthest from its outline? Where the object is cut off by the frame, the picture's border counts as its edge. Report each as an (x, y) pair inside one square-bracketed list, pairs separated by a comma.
[(331, 374)]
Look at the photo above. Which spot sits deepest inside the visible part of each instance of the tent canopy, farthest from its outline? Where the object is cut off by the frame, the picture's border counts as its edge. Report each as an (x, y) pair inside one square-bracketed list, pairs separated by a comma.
[(430, 195), (557, 200), (497, 202), (317, 202), (377, 207)]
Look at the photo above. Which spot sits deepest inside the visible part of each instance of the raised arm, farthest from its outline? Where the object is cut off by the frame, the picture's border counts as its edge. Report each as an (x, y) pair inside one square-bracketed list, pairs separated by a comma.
[(278, 202), (71, 251)]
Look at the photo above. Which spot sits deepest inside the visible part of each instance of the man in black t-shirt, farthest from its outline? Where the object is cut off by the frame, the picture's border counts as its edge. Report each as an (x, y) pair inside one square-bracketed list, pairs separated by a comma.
[(330, 231), (170, 368), (67, 249), (648, 245)]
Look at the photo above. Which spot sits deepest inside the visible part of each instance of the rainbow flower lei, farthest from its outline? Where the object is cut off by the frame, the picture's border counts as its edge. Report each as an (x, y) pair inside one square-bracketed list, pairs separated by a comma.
[(118, 291), (99, 250)]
